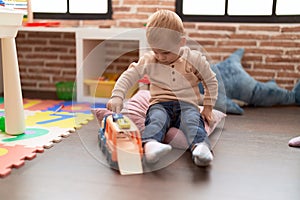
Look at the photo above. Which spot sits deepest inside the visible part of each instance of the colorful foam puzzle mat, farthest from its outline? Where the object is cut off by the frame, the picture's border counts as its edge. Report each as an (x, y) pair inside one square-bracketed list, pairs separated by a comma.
[(47, 122)]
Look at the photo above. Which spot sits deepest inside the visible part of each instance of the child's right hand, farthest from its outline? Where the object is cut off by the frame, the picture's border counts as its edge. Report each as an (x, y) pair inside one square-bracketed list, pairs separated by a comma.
[(115, 104)]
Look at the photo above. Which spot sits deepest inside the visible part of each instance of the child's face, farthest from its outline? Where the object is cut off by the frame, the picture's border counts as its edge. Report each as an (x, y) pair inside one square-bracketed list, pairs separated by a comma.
[(167, 54), (164, 56)]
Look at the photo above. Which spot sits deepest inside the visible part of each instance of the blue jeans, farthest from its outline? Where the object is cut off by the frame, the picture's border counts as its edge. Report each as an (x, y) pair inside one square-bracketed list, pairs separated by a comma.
[(184, 116)]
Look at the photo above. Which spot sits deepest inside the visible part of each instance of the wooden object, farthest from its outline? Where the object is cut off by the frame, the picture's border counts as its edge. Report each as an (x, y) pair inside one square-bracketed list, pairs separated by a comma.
[(29, 12), (10, 20), (91, 55)]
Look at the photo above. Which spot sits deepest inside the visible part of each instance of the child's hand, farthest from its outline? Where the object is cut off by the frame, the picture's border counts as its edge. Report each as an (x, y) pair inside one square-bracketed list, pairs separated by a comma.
[(207, 115), (115, 104)]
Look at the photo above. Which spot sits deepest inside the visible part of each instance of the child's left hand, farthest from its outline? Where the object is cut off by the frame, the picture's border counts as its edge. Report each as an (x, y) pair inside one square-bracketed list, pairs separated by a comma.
[(207, 115)]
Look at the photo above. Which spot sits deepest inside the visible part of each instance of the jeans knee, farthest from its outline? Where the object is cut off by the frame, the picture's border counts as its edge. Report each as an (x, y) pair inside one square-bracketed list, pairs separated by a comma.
[(156, 114)]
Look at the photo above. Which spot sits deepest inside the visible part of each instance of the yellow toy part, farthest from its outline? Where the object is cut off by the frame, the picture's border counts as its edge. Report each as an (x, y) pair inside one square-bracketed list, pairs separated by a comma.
[(123, 123)]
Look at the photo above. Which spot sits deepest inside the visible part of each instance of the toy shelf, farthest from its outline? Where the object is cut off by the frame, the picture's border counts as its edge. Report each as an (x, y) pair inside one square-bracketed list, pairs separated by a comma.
[(93, 52)]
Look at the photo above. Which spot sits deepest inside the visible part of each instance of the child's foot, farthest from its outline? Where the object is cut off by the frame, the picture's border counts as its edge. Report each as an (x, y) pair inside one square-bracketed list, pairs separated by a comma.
[(155, 150), (202, 155)]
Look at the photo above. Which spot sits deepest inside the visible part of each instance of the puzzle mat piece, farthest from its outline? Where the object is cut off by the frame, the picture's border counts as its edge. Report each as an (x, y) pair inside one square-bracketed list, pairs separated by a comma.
[(42, 134), (26, 113), (36, 137), (36, 104), (60, 119), (15, 156), (45, 128), (53, 105), (73, 107)]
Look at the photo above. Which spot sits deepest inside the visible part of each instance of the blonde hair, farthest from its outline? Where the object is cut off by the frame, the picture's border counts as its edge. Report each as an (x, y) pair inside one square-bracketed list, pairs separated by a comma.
[(164, 26)]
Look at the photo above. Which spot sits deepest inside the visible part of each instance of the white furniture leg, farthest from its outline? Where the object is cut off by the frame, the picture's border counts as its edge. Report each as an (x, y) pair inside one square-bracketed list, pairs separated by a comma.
[(13, 101)]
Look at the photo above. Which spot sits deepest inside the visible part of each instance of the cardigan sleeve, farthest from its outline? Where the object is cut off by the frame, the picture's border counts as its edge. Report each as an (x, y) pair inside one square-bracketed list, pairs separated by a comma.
[(128, 78), (208, 79)]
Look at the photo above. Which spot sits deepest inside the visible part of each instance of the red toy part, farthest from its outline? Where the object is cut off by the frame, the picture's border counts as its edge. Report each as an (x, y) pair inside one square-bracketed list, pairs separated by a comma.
[(14, 156), (145, 80)]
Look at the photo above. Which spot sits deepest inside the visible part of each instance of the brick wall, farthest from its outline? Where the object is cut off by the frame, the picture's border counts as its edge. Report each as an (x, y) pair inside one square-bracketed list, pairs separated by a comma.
[(45, 58), (271, 50), (119, 55)]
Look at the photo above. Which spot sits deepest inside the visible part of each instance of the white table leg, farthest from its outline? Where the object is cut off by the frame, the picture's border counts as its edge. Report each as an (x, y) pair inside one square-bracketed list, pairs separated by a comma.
[(13, 101)]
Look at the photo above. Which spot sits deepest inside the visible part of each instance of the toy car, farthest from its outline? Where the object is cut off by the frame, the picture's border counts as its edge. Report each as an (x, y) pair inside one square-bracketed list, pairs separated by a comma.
[(119, 132)]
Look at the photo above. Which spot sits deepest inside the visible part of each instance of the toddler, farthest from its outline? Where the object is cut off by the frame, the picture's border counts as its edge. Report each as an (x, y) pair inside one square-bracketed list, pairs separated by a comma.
[(174, 71)]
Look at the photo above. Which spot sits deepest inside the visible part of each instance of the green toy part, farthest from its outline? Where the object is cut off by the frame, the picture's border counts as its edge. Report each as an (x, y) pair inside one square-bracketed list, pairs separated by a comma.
[(2, 124)]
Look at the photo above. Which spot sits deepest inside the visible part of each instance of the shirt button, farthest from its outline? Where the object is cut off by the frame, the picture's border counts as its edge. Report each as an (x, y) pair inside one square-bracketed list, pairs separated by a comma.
[(173, 79), (173, 66), (173, 72)]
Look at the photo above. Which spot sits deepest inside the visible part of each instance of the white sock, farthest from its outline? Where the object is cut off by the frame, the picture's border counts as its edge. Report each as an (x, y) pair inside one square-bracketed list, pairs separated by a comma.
[(155, 150), (202, 155)]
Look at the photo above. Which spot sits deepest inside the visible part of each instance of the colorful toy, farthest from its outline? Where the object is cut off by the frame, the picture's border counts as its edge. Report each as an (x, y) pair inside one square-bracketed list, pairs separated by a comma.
[(120, 141)]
